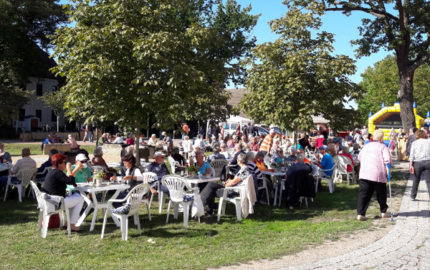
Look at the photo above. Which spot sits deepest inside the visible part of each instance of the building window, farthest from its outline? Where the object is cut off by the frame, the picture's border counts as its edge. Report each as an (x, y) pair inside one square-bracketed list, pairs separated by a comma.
[(54, 88), (39, 114), (21, 114), (39, 90), (53, 117)]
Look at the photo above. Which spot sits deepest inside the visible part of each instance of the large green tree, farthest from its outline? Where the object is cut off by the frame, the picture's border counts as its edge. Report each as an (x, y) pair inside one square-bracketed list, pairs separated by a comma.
[(297, 77), (395, 25), (24, 25), (125, 59), (381, 84)]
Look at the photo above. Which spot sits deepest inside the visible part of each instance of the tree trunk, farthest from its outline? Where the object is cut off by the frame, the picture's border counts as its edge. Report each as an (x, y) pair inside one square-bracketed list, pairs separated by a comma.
[(58, 123), (295, 136), (136, 142), (406, 99), (97, 137)]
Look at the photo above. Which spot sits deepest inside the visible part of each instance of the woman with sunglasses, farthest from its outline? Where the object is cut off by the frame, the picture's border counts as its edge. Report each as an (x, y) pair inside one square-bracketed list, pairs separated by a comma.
[(224, 152), (56, 182)]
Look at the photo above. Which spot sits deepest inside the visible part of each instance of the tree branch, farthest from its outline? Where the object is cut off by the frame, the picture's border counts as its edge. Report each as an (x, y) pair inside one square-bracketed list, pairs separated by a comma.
[(375, 13), (417, 63)]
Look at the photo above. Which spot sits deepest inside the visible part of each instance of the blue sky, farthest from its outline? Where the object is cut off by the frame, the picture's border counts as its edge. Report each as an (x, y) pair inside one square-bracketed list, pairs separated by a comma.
[(344, 28)]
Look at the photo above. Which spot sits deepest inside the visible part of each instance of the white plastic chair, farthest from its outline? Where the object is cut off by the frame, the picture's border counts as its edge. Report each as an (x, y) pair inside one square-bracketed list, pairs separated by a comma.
[(342, 168), (43, 215), (236, 200), (178, 195), (24, 176), (161, 195), (329, 179), (131, 208), (148, 177), (218, 165), (264, 186), (38, 180), (172, 163)]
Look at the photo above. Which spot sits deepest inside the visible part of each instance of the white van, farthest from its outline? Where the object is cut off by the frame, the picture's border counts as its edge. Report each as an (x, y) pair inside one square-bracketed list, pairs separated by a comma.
[(231, 124)]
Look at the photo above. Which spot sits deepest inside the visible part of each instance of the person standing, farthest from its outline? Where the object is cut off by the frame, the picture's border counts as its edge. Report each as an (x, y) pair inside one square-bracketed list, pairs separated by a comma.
[(86, 133), (373, 175), (202, 132), (419, 160), (266, 146), (364, 132), (90, 134), (186, 129), (245, 134), (251, 129), (72, 142), (411, 139)]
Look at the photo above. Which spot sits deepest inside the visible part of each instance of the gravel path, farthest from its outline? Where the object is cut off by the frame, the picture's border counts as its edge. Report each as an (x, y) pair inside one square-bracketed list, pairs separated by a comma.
[(405, 245)]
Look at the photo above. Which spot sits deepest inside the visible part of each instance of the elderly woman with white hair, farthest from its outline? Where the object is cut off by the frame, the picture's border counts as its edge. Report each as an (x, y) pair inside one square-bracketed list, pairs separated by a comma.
[(373, 175), (152, 140)]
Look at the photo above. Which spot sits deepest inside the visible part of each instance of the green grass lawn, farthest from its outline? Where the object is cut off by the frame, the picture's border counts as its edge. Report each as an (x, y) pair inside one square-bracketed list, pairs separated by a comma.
[(267, 234), (15, 149)]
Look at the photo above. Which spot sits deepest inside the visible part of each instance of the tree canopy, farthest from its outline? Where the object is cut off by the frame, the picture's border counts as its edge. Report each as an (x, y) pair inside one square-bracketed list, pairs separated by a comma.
[(125, 59), (24, 26), (297, 77), (380, 83), (397, 26)]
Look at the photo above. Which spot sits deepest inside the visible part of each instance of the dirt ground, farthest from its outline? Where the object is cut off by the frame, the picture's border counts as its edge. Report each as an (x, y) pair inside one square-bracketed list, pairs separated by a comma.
[(345, 244)]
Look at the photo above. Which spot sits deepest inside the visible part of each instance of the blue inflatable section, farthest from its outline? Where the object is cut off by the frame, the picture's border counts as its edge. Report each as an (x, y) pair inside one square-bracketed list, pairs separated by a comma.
[(387, 142)]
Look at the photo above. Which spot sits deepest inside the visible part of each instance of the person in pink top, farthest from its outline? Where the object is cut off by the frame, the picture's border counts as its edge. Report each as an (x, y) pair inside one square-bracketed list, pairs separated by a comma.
[(72, 142), (319, 141), (130, 141), (373, 175)]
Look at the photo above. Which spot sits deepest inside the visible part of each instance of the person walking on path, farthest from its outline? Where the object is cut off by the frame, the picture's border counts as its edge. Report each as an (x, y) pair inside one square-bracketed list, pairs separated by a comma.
[(373, 175), (186, 128), (419, 161), (86, 133)]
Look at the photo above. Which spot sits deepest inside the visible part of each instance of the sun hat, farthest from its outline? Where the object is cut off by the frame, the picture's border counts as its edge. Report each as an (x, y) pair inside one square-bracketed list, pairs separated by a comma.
[(81, 157), (158, 154)]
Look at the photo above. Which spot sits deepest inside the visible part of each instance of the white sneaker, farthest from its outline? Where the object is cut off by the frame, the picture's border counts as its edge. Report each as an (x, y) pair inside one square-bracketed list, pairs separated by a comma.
[(361, 218), (385, 215)]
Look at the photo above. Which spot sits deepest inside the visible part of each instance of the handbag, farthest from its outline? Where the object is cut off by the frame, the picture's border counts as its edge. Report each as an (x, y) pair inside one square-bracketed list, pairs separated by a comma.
[(54, 221)]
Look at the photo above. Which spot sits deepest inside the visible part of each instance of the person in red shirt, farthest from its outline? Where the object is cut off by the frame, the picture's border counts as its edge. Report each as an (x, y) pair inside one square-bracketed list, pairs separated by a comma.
[(319, 141), (130, 141)]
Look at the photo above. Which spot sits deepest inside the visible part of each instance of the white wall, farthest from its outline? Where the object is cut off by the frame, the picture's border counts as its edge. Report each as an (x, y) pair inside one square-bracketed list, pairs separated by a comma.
[(36, 104)]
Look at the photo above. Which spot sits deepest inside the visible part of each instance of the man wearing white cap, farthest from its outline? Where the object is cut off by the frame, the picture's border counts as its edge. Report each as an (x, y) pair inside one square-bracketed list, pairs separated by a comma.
[(160, 169), (72, 142)]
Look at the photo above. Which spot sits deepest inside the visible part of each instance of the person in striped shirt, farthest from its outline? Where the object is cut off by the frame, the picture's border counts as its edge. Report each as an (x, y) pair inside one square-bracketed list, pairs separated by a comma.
[(266, 146)]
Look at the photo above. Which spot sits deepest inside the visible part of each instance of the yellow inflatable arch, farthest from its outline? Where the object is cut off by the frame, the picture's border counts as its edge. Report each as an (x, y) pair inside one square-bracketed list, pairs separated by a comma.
[(389, 117)]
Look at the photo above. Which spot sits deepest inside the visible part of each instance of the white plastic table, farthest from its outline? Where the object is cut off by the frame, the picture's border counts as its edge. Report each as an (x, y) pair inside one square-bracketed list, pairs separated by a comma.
[(88, 187), (114, 165), (278, 176), (195, 181), (6, 167)]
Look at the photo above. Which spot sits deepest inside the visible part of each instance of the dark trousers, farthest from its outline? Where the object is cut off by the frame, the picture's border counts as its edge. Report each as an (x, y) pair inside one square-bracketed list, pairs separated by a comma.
[(210, 192), (419, 168), (365, 192)]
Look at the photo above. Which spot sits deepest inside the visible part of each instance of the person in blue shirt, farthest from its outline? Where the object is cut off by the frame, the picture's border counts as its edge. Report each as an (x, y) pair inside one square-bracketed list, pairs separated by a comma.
[(327, 160), (48, 140), (239, 150), (203, 168)]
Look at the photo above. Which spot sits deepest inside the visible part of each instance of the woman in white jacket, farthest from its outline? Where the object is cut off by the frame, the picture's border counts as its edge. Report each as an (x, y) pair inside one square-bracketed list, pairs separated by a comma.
[(187, 145)]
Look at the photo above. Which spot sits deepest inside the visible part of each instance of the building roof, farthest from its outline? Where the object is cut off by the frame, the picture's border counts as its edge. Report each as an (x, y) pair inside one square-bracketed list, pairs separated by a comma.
[(47, 63), (237, 95)]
